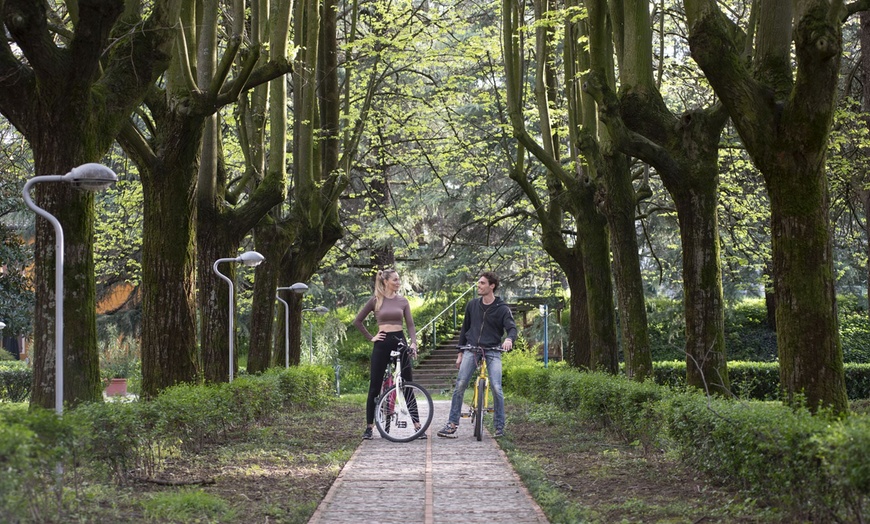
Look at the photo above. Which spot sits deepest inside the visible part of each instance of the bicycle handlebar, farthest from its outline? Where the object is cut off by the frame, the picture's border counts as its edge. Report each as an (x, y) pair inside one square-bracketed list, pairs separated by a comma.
[(478, 348)]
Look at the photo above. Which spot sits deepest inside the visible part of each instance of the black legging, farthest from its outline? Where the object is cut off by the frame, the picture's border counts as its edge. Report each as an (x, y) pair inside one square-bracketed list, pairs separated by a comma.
[(380, 361)]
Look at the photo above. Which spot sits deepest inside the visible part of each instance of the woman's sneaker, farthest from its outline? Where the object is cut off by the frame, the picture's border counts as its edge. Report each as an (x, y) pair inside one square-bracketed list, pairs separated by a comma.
[(449, 430), (367, 434)]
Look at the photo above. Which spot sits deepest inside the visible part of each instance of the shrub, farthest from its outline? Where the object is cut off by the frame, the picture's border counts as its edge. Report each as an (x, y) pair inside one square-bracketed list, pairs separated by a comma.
[(15, 380), (813, 466), (306, 385), (122, 437), (32, 446), (760, 380)]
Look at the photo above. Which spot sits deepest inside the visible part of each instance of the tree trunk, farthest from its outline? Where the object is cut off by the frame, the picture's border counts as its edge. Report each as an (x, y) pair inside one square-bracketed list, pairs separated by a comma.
[(214, 298), (811, 360), (594, 243), (706, 365), (274, 244), (619, 209), (784, 124), (168, 241), (578, 354), (69, 103), (81, 373)]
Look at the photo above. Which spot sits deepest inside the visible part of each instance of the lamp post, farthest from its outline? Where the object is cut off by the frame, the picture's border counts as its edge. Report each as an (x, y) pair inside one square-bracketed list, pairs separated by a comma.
[(545, 313), (90, 177), (250, 259), (299, 288), (320, 310)]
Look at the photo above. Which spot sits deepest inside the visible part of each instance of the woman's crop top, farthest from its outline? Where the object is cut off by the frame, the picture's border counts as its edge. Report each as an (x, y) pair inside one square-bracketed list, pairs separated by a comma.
[(392, 311)]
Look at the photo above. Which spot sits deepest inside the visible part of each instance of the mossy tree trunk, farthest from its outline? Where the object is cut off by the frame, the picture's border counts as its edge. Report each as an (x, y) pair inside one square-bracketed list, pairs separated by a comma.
[(783, 116), (69, 93), (165, 143), (618, 200), (168, 346), (684, 151), (567, 192), (230, 206)]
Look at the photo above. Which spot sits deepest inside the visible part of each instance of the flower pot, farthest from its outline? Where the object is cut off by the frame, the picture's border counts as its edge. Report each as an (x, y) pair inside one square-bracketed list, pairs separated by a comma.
[(117, 388)]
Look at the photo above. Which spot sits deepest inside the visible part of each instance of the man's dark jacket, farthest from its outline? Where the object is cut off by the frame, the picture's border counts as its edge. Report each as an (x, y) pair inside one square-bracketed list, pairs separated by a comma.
[(484, 325)]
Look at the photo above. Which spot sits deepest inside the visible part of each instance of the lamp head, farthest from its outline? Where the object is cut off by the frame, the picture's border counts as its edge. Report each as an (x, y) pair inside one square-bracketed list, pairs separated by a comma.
[(2, 325), (91, 177), (298, 287), (250, 258), (321, 310)]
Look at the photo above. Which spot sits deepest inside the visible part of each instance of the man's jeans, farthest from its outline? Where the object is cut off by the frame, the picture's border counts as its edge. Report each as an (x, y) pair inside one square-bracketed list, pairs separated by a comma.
[(493, 370)]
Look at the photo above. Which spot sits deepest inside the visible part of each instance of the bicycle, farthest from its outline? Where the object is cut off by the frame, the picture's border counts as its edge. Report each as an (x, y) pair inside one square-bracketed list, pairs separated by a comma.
[(480, 399), (402, 418)]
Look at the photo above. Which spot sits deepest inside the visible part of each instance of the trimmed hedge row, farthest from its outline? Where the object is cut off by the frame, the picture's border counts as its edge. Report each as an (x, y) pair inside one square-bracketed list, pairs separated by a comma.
[(815, 467), (15, 379), (760, 380), (120, 440)]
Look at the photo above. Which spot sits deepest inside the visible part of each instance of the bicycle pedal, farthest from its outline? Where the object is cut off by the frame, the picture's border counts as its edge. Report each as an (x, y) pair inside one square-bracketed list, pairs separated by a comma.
[(490, 410), (467, 414)]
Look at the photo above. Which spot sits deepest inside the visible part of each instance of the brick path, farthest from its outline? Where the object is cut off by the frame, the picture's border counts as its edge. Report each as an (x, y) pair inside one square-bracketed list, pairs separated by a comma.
[(437, 480)]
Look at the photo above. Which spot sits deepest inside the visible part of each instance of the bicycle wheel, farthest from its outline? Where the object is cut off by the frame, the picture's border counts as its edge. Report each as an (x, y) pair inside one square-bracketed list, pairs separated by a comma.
[(479, 409), (396, 415)]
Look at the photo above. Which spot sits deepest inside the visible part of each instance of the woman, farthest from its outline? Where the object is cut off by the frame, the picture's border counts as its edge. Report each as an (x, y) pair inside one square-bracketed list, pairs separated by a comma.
[(390, 309)]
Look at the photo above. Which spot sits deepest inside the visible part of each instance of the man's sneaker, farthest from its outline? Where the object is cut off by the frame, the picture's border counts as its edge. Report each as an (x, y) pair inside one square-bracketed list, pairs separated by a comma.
[(499, 433), (449, 430), (367, 434)]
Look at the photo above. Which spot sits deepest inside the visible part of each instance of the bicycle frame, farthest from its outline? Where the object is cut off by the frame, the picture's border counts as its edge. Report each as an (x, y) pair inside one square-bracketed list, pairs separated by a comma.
[(480, 402), (402, 417), (393, 377), (482, 376)]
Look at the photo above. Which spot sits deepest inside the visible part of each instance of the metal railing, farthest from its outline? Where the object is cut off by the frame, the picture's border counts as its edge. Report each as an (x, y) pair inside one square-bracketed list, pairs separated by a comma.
[(428, 343)]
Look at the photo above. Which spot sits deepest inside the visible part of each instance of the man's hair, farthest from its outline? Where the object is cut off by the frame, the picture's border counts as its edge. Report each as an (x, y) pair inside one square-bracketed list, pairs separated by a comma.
[(491, 278)]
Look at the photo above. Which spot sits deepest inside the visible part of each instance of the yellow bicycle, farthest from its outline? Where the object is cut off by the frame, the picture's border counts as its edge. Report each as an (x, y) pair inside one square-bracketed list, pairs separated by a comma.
[(480, 399)]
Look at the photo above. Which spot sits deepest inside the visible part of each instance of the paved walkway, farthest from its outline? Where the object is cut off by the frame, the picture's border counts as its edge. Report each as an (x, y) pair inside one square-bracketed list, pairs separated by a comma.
[(437, 480)]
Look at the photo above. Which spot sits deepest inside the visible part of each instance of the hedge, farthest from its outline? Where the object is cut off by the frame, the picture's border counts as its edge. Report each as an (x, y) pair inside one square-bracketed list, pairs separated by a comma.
[(760, 380), (813, 466), (123, 440), (15, 379)]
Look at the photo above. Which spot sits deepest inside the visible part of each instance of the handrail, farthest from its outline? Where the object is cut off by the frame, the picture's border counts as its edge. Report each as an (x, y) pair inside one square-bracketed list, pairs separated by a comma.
[(431, 323)]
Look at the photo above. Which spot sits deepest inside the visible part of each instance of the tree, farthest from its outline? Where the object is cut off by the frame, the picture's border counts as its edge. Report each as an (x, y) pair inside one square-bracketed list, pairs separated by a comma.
[(684, 151), (68, 85), (228, 208), (598, 189), (783, 116)]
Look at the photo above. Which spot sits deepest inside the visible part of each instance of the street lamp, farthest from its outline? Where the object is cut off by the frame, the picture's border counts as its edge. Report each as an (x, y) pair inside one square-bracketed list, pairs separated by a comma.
[(250, 259), (90, 177), (299, 288), (320, 310)]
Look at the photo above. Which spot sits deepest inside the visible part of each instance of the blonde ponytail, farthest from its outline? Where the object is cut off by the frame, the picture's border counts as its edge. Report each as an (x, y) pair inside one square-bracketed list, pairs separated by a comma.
[(381, 287)]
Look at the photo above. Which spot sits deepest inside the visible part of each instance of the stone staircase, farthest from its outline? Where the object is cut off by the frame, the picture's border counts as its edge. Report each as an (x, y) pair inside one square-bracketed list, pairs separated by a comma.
[(437, 371)]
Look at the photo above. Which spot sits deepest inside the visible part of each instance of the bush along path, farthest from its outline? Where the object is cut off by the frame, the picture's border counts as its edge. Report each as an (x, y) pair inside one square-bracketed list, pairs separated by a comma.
[(580, 473), (262, 449), (764, 460)]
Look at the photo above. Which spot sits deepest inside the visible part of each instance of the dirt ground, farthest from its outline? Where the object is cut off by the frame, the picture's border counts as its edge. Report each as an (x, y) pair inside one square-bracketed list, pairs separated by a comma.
[(274, 474), (589, 476)]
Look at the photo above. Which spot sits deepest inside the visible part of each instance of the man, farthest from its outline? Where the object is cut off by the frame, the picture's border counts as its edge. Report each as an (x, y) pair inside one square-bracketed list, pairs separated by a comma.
[(487, 318)]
